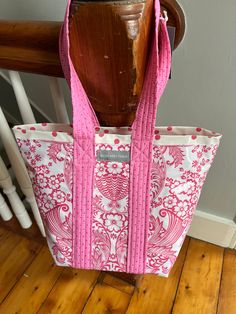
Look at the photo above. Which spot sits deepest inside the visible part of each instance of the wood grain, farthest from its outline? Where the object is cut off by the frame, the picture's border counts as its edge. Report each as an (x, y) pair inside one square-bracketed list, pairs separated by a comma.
[(118, 284), (33, 287), (30, 233), (106, 299), (15, 264), (130, 278), (227, 298), (30, 283), (200, 280), (8, 241), (109, 55), (30, 46), (71, 292), (156, 294)]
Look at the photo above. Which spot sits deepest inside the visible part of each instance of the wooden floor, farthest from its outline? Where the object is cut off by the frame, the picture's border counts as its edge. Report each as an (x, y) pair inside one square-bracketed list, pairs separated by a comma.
[(203, 281)]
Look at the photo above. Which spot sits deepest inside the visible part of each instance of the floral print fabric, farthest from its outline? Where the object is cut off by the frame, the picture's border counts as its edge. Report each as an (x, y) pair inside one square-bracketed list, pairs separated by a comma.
[(178, 173)]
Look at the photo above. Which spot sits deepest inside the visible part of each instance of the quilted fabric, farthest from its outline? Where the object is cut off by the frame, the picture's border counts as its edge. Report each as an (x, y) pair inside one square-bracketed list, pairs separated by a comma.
[(85, 122), (106, 213), (181, 158)]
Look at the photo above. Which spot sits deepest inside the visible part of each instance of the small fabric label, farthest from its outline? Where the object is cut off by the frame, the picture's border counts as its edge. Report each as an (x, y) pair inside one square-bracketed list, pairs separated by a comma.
[(113, 155)]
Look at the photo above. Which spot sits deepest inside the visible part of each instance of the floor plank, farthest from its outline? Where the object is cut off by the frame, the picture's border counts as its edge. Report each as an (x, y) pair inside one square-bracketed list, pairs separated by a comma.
[(8, 241), (15, 264), (118, 284), (33, 287), (106, 299), (129, 278), (156, 294), (30, 283), (30, 233), (200, 280), (227, 298), (71, 292)]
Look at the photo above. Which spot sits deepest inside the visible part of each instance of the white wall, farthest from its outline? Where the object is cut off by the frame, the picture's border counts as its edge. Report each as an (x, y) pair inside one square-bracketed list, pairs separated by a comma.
[(202, 91)]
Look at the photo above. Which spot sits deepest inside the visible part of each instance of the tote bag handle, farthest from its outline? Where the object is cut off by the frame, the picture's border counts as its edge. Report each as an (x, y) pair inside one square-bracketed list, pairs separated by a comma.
[(156, 77), (84, 122), (84, 117)]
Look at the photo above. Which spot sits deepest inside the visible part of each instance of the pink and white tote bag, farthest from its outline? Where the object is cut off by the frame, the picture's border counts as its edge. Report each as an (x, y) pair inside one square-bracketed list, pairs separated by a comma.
[(117, 199)]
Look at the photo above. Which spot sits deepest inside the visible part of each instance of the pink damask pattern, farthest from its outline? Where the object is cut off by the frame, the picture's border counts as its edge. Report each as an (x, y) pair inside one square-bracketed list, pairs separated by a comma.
[(110, 212), (49, 166), (178, 174)]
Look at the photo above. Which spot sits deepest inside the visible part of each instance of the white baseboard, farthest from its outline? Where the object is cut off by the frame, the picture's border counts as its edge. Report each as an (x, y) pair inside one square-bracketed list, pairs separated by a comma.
[(213, 229)]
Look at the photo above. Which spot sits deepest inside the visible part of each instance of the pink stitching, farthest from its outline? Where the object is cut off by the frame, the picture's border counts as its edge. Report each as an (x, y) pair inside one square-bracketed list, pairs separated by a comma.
[(143, 128), (84, 121)]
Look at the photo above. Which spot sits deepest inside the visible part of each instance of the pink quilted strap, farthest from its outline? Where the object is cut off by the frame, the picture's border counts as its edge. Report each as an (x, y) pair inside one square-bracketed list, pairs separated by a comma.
[(84, 122), (84, 116), (156, 78)]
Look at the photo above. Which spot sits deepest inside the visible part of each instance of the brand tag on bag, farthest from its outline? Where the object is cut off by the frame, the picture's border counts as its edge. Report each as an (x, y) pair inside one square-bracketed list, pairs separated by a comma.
[(113, 155)]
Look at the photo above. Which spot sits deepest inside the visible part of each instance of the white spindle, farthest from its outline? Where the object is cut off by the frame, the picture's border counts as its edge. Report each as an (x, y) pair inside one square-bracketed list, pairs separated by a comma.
[(17, 165), (5, 212), (21, 97), (5, 178), (14, 155), (58, 101), (16, 203), (18, 207)]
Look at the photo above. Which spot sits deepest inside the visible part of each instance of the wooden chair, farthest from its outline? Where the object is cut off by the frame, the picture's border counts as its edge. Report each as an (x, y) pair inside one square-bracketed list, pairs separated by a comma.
[(109, 48)]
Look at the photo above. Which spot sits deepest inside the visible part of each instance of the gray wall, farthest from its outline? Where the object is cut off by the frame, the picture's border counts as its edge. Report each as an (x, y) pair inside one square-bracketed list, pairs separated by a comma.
[(33, 9), (202, 91)]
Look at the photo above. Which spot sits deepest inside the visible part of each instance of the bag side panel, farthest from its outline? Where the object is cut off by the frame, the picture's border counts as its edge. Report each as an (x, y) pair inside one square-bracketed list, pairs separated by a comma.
[(178, 174), (49, 164)]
